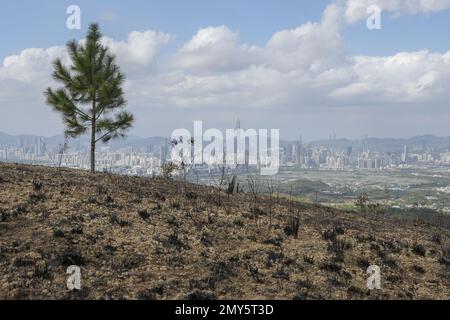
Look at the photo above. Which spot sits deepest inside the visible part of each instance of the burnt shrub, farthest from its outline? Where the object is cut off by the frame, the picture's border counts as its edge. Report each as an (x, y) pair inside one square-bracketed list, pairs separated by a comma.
[(363, 262), (58, 233), (394, 278), (36, 197), (115, 219), (4, 216), (144, 214), (191, 195), (130, 262), (332, 233), (110, 249), (199, 295), (338, 246), (70, 257), (77, 230), (437, 238), (355, 291), (273, 257), (292, 226), (254, 272), (21, 209), (308, 259), (419, 269), (331, 266), (304, 284), (281, 273), (419, 250), (38, 185), (23, 262), (158, 195), (390, 261), (175, 205), (152, 293), (444, 261), (174, 240), (146, 295), (222, 270)]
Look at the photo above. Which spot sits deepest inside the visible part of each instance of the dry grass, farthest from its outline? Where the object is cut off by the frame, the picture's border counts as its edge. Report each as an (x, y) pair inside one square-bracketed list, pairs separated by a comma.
[(137, 238)]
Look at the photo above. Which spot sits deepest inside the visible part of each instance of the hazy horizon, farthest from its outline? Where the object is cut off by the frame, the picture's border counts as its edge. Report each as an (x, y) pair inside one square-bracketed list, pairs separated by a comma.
[(133, 136)]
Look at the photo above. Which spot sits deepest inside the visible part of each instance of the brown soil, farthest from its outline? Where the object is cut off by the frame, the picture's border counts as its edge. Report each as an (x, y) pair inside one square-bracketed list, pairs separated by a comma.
[(140, 238)]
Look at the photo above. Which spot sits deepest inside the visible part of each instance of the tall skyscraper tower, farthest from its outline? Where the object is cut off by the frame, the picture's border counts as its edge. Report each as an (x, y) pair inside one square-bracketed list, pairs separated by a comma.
[(405, 154), (235, 147)]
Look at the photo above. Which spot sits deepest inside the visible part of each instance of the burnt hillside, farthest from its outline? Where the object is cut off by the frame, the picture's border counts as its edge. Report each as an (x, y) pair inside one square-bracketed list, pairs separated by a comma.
[(139, 238)]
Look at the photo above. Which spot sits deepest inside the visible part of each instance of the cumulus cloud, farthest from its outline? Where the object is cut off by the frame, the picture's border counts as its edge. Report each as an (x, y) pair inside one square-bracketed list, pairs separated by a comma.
[(314, 46), (303, 68), (407, 77), (30, 64), (23, 77), (311, 46), (140, 48), (215, 49)]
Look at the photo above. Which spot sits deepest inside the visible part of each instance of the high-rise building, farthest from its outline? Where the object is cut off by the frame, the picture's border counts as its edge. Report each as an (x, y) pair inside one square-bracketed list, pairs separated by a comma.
[(349, 151), (405, 154), (238, 124)]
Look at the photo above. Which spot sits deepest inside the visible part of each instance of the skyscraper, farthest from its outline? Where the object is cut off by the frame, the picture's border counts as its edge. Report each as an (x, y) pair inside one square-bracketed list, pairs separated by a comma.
[(405, 155)]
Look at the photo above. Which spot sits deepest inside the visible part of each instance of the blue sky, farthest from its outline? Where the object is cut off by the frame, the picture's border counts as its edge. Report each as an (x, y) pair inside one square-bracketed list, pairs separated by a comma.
[(306, 67), (42, 23)]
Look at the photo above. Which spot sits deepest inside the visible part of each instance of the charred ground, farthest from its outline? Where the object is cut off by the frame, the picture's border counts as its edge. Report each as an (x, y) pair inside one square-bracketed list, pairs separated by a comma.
[(141, 238)]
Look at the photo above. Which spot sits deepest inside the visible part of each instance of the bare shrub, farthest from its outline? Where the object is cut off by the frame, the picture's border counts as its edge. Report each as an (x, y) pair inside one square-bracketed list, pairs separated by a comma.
[(38, 185)]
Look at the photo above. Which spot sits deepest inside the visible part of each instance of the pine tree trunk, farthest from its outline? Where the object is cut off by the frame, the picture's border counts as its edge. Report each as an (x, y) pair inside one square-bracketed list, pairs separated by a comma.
[(93, 148), (93, 137)]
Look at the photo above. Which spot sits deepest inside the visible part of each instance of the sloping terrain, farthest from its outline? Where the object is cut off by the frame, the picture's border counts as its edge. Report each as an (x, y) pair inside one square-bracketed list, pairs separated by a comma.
[(139, 238)]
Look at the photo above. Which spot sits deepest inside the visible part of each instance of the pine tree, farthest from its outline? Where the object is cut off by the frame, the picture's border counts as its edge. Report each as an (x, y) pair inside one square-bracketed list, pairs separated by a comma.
[(91, 99)]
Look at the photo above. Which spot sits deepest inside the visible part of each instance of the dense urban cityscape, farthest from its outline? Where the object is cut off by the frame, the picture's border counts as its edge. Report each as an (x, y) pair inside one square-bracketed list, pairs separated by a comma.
[(147, 160), (401, 174)]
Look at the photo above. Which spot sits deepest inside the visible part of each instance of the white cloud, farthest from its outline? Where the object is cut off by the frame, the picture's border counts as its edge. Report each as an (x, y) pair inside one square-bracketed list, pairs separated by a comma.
[(304, 68), (407, 77), (355, 10), (24, 77), (312, 46), (30, 64), (140, 48), (215, 49), (33, 64)]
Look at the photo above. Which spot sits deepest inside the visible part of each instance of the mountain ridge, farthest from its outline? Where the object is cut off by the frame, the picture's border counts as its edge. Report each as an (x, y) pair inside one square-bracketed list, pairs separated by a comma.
[(374, 144)]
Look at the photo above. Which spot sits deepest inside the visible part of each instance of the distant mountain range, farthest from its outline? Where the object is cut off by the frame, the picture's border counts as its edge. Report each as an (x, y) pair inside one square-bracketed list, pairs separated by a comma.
[(131, 141), (388, 144), (373, 144)]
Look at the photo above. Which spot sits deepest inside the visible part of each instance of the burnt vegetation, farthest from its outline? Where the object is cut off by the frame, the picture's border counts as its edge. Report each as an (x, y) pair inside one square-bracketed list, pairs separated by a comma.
[(142, 238)]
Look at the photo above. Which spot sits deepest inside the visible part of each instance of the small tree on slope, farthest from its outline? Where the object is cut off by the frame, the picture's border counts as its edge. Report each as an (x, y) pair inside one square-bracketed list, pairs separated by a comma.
[(91, 99)]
